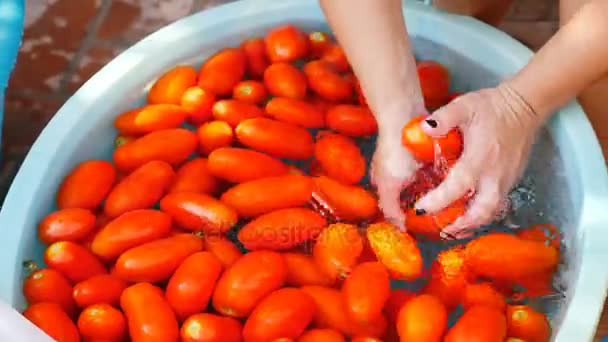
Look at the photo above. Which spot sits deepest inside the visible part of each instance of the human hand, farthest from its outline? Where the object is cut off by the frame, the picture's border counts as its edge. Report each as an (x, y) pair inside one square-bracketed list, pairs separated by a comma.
[(498, 128)]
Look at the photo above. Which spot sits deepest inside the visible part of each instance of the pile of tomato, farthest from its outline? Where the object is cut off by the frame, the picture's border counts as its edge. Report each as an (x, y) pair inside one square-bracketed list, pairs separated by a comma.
[(151, 245)]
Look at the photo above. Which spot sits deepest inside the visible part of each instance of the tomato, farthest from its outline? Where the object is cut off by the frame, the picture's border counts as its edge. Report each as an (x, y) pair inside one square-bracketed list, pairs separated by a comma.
[(150, 118), (453, 96), (250, 91), (141, 189), (173, 146), (129, 230), (157, 260), (340, 158), (247, 281), (286, 44), (319, 41), (223, 249), (264, 195), (51, 319), (102, 322), (483, 294), (74, 261), (48, 285), (396, 250), (257, 62), (194, 176), (284, 313), (227, 163), (468, 329), (430, 225), (337, 249), (352, 120), (172, 84), (297, 112), (199, 212), (198, 102), (422, 319), (214, 135), (422, 146), (325, 81), (191, 286), (345, 202), (222, 71), (366, 291), (434, 82), (547, 233), (122, 140), (528, 324), (278, 139), (302, 270), (359, 93), (87, 185), (72, 224), (285, 80), (100, 289), (396, 299), (322, 335), (235, 111), (486, 255), (448, 279), (331, 308), (365, 339), (205, 327), (335, 55), (149, 315), (281, 229)]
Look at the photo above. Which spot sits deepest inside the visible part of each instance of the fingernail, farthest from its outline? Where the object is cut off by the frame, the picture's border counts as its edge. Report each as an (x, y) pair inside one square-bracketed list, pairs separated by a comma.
[(420, 212), (446, 236), (431, 122)]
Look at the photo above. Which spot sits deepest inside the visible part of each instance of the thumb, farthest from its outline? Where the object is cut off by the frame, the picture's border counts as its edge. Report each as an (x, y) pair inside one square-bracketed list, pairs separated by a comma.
[(444, 119)]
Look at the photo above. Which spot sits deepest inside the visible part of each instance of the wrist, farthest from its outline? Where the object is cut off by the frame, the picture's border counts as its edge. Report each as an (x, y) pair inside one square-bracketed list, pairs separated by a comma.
[(522, 103), (392, 117)]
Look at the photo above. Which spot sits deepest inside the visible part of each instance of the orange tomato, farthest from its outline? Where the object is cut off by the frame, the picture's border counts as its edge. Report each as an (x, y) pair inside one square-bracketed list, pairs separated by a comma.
[(129, 230), (396, 299), (51, 319), (227, 163), (396, 250), (194, 176), (47, 285), (467, 328), (102, 322), (156, 261), (302, 270), (340, 158), (141, 189), (150, 118), (486, 255), (527, 324), (250, 91), (171, 145), (448, 279), (331, 308), (321, 335), (247, 281), (278, 139), (297, 112), (74, 261), (87, 185), (422, 146), (284, 313), (149, 315), (235, 111), (547, 233), (335, 55), (366, 291), (223, 249), (264, 195), (281, 229), (286, 44), (337, 249), (365, 339), (100, 289), (483, 294), (122, 140), (325, 81), (285, 80), (434, 82), (422, 319), (352, 120), (205, 327), (213, 135), (72, 224), (198, 102), (222, 71), (191, 286), (430, 225), (172, 84), (199, 212), (257, 62), (319, 41), (345, 202)]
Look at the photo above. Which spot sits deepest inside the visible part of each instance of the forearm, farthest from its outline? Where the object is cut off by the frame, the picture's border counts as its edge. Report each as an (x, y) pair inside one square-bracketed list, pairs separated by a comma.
[(374, 37), (573, 59)]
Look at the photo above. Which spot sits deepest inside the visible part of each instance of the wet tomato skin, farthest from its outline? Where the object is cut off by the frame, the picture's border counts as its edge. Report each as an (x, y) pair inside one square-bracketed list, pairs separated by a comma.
[(285, 80), (257, 61), (48, 285), (421, 319), (467, 328), (199, 212), (222, 71), (102, 322), (73, 260), (214, 135), (366, 291), (51, 319), (72, 224), (225, 163), (206, 327), (198, 102), (87, 185), (286, 44), (100, 289), (223, 249), (172, 84)]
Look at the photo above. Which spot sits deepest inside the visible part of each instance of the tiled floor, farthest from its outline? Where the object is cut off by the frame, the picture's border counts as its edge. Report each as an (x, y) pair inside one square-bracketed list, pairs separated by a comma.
[(64, 44)]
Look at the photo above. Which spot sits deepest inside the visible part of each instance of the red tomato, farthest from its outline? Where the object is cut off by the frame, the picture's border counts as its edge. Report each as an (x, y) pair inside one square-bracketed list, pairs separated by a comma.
[(467, 328), (194, 176), (422, 319), (396, 250), (150, 118), (423, 146), (394, 303), (214, 135), (250, 91), (547, 233), (278, 139), (87, 185), (257, 62), (71, 224), (319, 42), (352, 120), (100, 289), (205, 327), (350, 203), (366, 291), (51, 319), (286, 44), (222, 71), (322, 335), (434, 83), (285, 80), (335, 55), (324, 80), (172, 84), (431, 225), (223, 249), (448, 277), (302, 270), (102, 322), (483, 294), (297, 112), (235, 111), (197, 102), (337, 249), (199, 212), (226, 163), (340, 158), (527, 324), (47, 285), (73, 260)]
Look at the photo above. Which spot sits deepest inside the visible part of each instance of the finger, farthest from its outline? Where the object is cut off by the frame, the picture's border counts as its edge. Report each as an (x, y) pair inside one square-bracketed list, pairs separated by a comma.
[(388, 201), (444, 119)]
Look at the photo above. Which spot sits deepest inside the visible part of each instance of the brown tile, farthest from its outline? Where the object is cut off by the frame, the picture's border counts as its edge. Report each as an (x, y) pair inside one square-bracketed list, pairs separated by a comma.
[(120, 18), (531, 33), (92, 61), (531, 10)]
